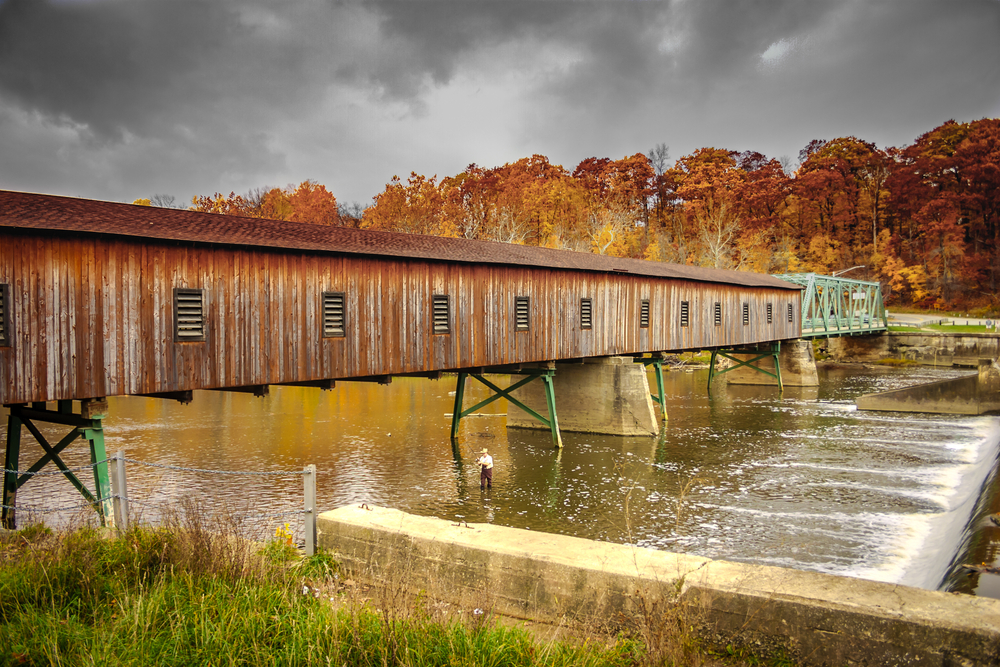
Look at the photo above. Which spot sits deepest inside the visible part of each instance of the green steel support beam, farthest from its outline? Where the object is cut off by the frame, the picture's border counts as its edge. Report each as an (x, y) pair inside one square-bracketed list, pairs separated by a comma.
[(90, 429), (550, 400), (544, 375), (657, 364), (10, 461), (456, 415), (54, 456), (749, 363), (834, 306), (102, 480), (40, 463)]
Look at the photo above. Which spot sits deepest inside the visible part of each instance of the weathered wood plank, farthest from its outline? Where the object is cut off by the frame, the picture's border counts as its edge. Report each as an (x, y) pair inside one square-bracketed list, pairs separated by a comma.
[(95, 316)]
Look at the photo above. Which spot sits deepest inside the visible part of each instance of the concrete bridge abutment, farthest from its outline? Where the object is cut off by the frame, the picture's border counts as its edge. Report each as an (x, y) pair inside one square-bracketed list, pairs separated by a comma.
[(608, 395), (796, 360)]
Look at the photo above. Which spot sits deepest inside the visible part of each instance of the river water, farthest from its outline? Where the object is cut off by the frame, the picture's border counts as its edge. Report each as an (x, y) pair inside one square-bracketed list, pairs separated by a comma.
[(801, 480)]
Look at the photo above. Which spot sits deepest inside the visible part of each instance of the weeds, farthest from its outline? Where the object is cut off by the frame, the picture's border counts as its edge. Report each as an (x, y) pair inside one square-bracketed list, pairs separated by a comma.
[(185, 595)]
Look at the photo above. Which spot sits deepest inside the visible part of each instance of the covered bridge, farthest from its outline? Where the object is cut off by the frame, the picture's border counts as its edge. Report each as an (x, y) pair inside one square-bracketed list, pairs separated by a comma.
[(101, 299), (104, 299)]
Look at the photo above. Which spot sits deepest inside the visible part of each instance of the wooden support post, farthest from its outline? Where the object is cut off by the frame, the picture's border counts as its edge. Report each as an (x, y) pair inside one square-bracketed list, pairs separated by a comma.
[(309, 495), (10, 463)]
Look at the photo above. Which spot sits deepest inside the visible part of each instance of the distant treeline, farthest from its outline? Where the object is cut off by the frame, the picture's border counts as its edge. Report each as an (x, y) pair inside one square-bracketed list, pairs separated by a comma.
[(923, 219)]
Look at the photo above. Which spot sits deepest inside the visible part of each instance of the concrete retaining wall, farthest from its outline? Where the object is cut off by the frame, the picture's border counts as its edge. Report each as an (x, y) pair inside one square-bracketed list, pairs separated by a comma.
[(603, 395), (928, 349), (975, 394), (821, 619)]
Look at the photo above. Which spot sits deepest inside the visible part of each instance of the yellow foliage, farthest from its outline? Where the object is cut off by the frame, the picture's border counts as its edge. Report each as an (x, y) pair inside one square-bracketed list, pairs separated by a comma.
[(142, 202), (916, 280), (823, 254), (652, 252), (284, 534)]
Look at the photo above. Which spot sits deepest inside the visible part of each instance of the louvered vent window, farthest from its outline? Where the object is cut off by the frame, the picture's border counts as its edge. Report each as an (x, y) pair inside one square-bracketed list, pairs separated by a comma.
[(522, 319), (791, 313), (189, 315), (746, 314), (333, 315), (770, 317), (685, 314), (5, 316), (586, 313), (718, 314), (442, 314), (644, 314)]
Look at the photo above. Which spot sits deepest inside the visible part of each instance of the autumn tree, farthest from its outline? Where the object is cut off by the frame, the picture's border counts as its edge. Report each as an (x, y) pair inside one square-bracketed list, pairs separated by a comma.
[(245, 206), (413, 208), (710, 182)]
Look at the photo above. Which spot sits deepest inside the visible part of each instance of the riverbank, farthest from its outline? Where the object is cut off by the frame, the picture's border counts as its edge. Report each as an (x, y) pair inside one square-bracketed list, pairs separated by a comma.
[(192, 595)]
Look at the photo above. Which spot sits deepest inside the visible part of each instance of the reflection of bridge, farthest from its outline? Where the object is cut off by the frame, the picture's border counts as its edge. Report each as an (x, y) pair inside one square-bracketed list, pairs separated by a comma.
[(837, 306)]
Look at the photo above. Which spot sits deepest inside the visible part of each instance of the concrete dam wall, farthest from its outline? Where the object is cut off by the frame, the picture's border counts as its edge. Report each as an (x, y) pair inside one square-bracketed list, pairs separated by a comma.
[(821, 619), (975, 394)]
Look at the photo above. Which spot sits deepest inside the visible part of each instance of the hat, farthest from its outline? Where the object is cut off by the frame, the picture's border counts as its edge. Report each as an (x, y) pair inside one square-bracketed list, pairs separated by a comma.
[(484, 450)]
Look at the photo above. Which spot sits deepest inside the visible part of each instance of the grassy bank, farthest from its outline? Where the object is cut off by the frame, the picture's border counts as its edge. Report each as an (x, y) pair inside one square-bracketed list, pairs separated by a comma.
[(188, 594)]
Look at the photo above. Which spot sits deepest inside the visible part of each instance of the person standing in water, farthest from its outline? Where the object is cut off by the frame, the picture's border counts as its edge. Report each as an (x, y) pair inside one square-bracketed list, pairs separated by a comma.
[(486, 471)]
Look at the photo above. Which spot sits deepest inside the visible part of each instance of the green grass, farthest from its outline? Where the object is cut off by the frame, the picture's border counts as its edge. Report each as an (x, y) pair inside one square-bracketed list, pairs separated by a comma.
[(196, 592), (961, 328), (183, 597), (896, 362)]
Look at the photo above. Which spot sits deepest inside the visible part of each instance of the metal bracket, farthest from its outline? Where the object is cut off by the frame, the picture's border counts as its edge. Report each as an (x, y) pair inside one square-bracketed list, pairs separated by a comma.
[(543, 374), (773, 352), (657, 363), (89, 429)]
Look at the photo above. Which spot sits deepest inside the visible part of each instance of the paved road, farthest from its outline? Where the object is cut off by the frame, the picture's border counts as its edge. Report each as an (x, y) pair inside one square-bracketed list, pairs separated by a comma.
[(920, 319)]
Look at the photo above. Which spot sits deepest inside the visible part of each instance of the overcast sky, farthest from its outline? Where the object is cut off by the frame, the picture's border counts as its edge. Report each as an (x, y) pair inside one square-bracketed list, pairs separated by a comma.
[(121, 99)]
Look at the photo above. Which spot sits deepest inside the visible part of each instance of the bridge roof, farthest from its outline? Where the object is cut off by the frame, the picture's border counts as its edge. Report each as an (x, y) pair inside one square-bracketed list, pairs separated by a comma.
[(67, 214)]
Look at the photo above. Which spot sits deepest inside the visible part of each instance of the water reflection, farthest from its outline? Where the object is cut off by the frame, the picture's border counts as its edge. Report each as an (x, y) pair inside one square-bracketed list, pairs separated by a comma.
[(802, 480)]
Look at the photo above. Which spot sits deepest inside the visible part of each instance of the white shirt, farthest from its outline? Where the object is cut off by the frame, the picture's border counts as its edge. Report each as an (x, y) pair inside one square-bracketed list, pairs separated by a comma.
[(486, 460)]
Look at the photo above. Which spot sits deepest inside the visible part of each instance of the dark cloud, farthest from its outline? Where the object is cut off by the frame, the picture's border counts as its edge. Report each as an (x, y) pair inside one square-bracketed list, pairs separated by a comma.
[(429, 40), (115, 99)]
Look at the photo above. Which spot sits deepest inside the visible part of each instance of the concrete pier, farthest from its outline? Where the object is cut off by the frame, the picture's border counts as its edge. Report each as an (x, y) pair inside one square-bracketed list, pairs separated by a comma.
[(798, 367), (820, 619), (602, 395), (975, 394)]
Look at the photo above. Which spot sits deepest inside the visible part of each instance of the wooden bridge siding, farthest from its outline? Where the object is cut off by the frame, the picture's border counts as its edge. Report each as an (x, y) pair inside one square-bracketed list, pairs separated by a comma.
[(94, 316)]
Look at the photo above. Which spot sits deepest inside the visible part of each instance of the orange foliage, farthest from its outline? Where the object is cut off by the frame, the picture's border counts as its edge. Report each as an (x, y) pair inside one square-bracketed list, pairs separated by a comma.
[(924, 219)]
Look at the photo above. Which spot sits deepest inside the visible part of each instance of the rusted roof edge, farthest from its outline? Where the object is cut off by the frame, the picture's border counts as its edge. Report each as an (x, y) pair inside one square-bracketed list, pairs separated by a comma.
[(66, 214)]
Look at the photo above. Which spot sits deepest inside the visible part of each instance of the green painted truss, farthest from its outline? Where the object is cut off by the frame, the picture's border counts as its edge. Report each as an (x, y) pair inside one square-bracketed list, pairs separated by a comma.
[(838, 306)]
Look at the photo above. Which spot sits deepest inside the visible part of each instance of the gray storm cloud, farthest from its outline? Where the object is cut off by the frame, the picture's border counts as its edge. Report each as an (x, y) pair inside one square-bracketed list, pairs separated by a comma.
[(114, 99)]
